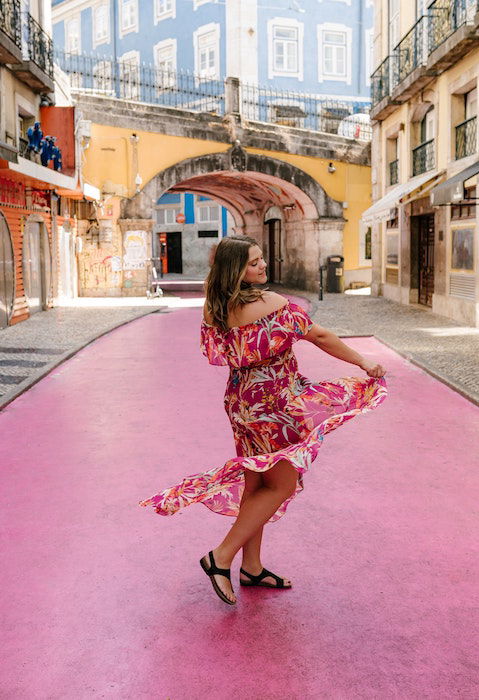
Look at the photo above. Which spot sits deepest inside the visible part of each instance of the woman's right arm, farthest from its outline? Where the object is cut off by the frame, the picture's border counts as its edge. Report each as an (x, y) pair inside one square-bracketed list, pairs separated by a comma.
[(330, 343)]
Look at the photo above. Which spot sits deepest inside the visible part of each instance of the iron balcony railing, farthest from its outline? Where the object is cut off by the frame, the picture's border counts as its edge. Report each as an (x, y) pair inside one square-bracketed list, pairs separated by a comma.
[(411, 51), (10, 22), (394, 172), (423, 158), (381, 81), (445, 17), (306, 111), (466, 138), (136, 82), (37, 45)]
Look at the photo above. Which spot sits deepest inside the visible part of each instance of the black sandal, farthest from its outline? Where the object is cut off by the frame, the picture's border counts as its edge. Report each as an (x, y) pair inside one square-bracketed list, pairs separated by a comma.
[(213, 570), (258, 580)]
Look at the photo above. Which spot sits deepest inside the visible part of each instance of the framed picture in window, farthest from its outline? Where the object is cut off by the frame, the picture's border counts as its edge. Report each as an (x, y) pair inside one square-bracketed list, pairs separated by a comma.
[(462, 249)]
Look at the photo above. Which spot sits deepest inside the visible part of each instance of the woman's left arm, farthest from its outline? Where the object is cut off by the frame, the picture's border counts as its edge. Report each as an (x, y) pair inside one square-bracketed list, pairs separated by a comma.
[(330, 343)]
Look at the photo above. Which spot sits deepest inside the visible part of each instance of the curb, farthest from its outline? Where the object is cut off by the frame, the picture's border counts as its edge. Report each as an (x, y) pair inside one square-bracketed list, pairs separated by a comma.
[(60, 359)]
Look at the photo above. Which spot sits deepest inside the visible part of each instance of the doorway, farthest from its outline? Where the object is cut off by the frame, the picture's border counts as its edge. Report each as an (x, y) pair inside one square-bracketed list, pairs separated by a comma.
[(36, 265), (274, 247), (7, 282), (67, 263), (426, 258), (174, 252)]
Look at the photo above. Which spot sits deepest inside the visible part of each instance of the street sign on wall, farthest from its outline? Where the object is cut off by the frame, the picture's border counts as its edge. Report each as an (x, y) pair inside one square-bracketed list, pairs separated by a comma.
[(180, 218)]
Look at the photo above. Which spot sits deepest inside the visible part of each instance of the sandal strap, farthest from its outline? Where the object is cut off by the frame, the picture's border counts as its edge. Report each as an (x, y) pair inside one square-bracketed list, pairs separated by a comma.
[(215, 571), (264, 574)]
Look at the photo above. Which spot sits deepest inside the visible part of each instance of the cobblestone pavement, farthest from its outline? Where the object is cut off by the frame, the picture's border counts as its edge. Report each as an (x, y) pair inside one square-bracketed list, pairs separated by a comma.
[(446, 349)]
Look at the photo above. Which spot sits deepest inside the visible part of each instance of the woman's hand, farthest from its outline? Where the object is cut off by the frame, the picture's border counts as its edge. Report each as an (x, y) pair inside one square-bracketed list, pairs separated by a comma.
[(373, 369)]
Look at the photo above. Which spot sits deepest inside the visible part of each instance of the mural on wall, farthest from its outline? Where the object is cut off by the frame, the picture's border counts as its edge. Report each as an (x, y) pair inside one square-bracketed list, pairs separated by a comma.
[(134, 250)]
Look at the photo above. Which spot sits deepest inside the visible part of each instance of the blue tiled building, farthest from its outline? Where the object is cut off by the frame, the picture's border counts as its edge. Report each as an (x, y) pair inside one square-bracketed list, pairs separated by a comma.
[(321, 47)]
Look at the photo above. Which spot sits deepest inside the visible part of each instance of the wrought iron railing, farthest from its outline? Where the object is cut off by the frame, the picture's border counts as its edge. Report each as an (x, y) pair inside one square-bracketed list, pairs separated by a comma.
[(10, 20), (137, 82), (37, 45), (144, 83), (411, 51), (306, 111), (466, 138), (381, 81), (445, 17), (394, 172), (423, 157)]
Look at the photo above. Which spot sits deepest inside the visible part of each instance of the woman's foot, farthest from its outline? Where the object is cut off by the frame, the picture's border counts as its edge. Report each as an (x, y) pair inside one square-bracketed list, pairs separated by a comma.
[(259, 576), (218, 571)]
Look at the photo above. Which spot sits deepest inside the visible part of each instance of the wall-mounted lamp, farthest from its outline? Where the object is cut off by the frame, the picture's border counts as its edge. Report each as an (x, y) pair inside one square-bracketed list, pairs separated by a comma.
[(138, 182), (331, 168), (287, 207)]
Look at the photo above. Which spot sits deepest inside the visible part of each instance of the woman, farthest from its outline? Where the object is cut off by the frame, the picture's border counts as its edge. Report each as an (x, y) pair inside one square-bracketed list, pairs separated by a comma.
[(278, 416)]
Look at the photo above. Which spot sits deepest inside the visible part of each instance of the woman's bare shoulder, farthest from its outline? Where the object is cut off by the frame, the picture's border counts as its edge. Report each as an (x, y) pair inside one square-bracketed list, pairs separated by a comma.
[(248, 313)]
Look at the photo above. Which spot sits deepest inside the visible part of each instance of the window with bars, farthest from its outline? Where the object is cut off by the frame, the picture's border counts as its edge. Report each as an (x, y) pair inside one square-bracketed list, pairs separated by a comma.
[(102, 77), (165, 62), (130, 75)]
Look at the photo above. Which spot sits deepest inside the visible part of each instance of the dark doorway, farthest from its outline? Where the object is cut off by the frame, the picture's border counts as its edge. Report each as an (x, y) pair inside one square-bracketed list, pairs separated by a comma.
[(275, 259), (173, 252), (6, 273), (426, 258)]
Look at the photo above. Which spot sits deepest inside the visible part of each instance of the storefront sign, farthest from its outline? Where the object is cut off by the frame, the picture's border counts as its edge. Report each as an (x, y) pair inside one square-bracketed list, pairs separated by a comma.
[(40, 200), (12, 193)]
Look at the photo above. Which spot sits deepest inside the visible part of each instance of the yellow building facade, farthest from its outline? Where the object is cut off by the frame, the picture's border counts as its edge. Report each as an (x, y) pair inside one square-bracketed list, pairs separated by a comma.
[(425, 156)]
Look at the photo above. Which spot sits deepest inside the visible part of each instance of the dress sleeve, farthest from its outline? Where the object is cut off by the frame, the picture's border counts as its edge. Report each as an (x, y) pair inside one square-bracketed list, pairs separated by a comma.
[(301, 321), (212, 345)]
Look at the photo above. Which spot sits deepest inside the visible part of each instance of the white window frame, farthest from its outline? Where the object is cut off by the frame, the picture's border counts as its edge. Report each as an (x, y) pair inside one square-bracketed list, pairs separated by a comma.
[(211, 73), (368, 53), (394, 24), (348, 32), (130, 57), (106, 39), (166, 14), (287, 23), (133, 27), (203, 205), (198, 3), (166, 209), (163, 46), (70, 20)]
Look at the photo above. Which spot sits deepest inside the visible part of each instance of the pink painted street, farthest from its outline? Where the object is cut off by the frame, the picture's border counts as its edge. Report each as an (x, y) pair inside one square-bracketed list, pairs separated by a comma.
[(102, 598)]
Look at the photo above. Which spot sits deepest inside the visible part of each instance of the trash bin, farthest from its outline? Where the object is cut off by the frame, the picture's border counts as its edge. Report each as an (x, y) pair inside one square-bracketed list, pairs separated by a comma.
[(335, 277)]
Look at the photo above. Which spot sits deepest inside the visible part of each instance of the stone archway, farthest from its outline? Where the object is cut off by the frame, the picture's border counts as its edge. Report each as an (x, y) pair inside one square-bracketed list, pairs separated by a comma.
[(249, 185)]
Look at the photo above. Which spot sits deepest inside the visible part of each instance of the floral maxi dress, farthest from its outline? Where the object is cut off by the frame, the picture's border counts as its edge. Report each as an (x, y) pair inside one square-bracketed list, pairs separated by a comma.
[(275, 412)]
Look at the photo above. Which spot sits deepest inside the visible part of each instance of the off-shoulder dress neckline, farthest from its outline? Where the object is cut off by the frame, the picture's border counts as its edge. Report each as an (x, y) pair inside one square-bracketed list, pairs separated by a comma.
[(252, 323)]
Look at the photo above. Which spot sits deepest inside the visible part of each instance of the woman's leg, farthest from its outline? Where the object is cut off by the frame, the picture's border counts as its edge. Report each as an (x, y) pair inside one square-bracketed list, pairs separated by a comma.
[(279, 483)]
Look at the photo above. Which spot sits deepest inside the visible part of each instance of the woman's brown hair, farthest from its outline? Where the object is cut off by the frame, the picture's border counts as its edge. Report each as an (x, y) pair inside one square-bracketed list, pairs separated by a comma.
[(224, 286)]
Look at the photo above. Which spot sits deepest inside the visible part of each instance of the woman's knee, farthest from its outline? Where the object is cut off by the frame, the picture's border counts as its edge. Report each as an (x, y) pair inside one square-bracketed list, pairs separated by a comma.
[(282, 478)]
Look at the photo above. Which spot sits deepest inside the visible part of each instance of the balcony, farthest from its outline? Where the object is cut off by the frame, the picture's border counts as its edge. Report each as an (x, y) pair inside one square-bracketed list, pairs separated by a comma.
[(394, 172), (10, 32), (423, 158), (36, 69), (437, 41), (466, 138)]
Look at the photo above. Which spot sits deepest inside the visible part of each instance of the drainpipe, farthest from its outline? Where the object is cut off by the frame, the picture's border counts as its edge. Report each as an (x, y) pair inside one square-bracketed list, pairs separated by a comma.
[(362, 58)]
